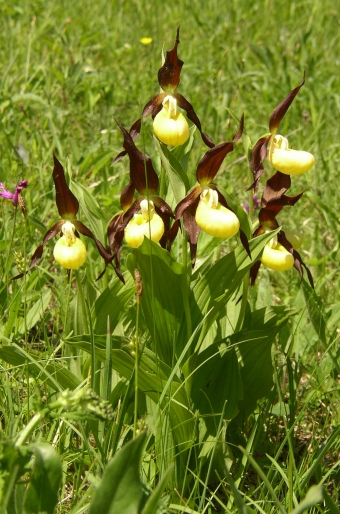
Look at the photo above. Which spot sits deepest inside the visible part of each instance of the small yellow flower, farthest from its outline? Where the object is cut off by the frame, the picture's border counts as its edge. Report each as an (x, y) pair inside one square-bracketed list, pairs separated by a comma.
[(213, 218), (276, 257), (286, 160), (69, 251), (146, 223), (146, 40), (170, 126)]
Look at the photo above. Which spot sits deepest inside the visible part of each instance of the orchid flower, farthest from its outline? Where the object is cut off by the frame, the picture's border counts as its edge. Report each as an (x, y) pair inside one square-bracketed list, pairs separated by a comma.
[(146, 216), (280, 253), (204, 207), (276, 147), (69, 251), (170, 126)]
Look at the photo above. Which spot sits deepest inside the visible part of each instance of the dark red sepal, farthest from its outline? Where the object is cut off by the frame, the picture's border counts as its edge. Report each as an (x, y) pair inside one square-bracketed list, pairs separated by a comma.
[(279, 111), (192, 228), (258, 154), (126, 197), (154, 106), (169, 235), (169, 73), (87, 232), (298, 262), (142, 173), (190, 199), (67, 203), (134, 133), (211, 161), (184, 104), (274, 199)]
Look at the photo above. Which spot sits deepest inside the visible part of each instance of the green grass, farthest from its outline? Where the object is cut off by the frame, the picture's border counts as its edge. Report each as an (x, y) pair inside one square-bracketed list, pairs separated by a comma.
[(68, 70)]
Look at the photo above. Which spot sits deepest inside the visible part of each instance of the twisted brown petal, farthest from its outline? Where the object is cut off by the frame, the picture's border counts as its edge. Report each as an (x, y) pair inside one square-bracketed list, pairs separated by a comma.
[(67, 203), (279, 111)]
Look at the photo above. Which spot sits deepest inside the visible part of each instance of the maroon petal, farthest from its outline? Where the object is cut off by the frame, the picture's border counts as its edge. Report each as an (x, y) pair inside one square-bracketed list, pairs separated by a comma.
[(279, 111), (126, 198), (298, 262), (154, 106), (192, 229), (189, 200), (258, 154), (184, 104), (142, 173), (87, 232), (169, 73), (169, 234), (134, 133), (254, 272), (274, 199), (67, 203), (211, 162)]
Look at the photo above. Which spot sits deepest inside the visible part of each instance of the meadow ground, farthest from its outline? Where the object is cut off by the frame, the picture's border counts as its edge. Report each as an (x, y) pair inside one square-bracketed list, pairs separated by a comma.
[(68, 71)]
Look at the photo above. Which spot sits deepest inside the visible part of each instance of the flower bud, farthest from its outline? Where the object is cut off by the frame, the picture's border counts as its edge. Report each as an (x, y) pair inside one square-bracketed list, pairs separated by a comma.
[(286, 160), (170, 126), (277, 258), (213, 218), (69, 251), (144, 224)]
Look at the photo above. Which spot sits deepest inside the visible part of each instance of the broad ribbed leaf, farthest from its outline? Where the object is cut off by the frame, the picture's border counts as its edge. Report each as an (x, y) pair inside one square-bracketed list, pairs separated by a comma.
[(121, 490), (153, 375), (55, 375), (164, 296), (42, 492)]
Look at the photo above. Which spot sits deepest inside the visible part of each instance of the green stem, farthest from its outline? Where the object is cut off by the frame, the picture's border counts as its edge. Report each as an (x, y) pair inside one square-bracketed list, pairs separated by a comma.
[(29, 428), (138, 294), (244, 301), (82, 302)]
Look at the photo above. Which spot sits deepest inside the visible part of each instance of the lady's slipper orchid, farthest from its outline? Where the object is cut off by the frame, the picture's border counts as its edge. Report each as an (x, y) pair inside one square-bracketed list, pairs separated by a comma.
[(286, 160), (280, 253), (69, 251), (276, 257), (148, 212), (204, 207), (213, 218), (169, 125), (146, 223), (69, 226), (168, 79), (275, 147)]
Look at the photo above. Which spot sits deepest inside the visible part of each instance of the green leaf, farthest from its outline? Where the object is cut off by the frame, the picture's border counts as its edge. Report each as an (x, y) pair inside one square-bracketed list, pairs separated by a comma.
[(153, 375), (178, 179), (313, 496), (151, 506), (91, 209), (112, 302), (121, 490), (37, 310), (42, 493), (55, 375), (315, 310), (213, 290), (254, 347), (216, 384), (163, 299)]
